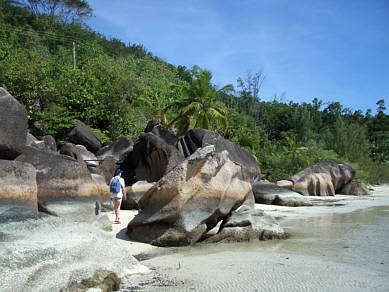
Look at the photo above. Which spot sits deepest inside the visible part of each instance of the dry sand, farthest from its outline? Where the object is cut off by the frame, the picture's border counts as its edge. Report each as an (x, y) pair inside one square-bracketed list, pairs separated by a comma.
[(339, 244)]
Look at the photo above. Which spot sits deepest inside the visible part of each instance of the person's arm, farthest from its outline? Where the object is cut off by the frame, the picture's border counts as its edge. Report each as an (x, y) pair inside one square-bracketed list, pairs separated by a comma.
[(124, 192)]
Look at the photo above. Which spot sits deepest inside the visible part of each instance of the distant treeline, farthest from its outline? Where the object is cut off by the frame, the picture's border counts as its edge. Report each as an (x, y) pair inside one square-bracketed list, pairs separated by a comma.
[(116, 88)]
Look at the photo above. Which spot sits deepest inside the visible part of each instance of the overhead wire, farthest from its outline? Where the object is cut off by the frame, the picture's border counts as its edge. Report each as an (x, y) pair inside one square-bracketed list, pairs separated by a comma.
[(41, 33), (51, 36)]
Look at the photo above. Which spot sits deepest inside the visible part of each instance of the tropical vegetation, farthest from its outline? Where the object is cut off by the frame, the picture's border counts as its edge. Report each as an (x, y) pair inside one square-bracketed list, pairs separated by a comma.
[(61, 71)]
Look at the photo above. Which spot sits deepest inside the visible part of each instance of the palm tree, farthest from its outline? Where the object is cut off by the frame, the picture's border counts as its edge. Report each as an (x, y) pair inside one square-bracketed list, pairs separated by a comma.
[(200, 106), (156, 106)]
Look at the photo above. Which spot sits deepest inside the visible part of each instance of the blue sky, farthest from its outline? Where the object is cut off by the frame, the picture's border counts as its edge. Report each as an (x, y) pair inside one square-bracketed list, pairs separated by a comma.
[(330, 49)]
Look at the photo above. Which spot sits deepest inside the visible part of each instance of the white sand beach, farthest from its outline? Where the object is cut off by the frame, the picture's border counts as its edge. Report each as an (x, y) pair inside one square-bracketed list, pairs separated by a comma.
[(339, 244)]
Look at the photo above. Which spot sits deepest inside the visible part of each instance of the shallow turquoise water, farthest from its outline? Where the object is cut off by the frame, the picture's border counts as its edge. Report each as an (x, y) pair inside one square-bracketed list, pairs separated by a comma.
[(339, 252)]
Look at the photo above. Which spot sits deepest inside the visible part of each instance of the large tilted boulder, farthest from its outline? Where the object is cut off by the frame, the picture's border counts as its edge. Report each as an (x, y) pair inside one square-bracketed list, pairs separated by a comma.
[(13, 126), (198, 138), (190, 199), (17, 185), (324, 178), (117, 149), (272, 194), (247, 223), (150, 159), (82, 134), (65, 186)]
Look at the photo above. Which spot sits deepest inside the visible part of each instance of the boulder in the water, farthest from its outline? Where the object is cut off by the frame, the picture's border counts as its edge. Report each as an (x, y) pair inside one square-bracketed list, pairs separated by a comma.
[(272, 194), (355, 189), (247, 223)]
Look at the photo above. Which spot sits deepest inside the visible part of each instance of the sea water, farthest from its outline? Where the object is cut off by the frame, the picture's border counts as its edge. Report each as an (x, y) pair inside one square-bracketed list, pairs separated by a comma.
[(338, 252)]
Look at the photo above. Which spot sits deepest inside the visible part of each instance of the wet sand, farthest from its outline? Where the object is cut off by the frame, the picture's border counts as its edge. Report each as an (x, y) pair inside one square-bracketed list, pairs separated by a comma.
[(340, 244)]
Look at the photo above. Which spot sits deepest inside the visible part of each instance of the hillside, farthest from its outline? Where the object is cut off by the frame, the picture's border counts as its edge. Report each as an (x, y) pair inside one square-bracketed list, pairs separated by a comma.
[(63, 71)]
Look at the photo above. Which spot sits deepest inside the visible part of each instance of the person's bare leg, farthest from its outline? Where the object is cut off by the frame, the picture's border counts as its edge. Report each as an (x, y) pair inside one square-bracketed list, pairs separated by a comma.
[(116, 213), (117, 209)]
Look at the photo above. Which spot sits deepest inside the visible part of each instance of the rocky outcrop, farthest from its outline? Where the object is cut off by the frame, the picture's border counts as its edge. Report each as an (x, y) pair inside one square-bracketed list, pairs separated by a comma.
[(190, 200), (106, 168), (69, 149), (17, 185), (80, 153), (101, 281), (323, 179), (47, 253), (150, 159), (31, 139), (82, 134), (355, 189), (13, 126), (247, 223), (47, 143), (85, 156), (286, 184), (198, 138), (118, 149), (155, 127), (50, 143), (272, 194), (102, 221), (135, 194), (65, 186), (100, 187)]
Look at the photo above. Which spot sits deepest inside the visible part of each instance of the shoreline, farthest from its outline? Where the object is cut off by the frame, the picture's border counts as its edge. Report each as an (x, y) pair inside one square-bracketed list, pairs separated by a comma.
[(322, 206), (177, 269), (338, 204)]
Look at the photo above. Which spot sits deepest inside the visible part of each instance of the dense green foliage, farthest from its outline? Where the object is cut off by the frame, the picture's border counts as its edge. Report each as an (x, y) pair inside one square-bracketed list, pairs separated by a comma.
[(116, 88)]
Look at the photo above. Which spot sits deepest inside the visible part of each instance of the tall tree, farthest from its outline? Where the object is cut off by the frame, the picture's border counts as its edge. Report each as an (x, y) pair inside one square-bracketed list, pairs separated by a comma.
[(251, 84), (65, 10)]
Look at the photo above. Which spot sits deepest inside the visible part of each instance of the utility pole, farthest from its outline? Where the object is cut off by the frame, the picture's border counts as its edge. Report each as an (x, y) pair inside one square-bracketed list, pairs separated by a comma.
[(74, 55)]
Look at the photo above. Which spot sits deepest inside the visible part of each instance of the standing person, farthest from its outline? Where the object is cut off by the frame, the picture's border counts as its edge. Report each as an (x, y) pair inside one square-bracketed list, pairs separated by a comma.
[(118, 192)]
